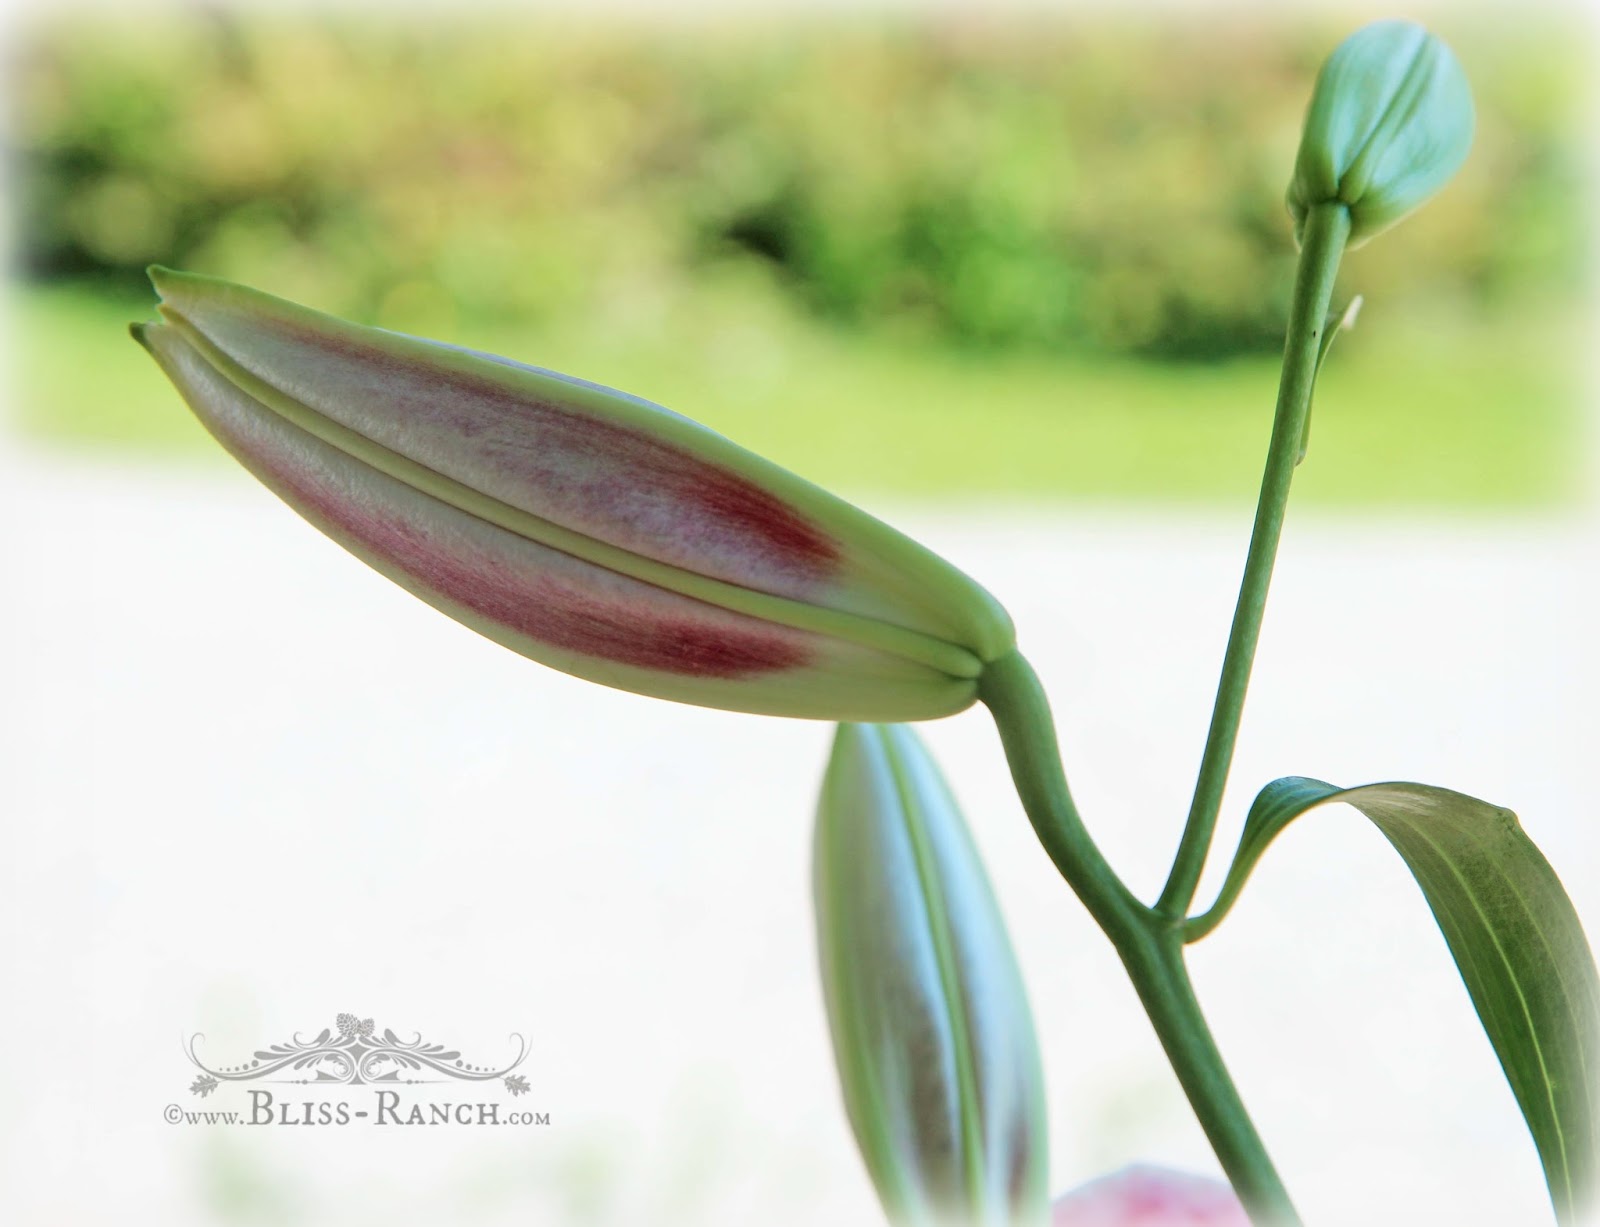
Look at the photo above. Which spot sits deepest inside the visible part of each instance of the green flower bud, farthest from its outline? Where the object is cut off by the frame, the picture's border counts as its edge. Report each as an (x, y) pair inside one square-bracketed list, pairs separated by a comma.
[(931, 1028), (584, 528), (1390, 121)]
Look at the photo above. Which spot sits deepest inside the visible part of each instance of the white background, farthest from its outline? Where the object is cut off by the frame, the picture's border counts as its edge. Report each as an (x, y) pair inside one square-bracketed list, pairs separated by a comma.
[(253, 784)]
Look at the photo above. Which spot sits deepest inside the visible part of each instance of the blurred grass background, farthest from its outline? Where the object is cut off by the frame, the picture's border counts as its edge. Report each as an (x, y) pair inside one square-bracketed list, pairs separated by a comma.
[(951, 255)]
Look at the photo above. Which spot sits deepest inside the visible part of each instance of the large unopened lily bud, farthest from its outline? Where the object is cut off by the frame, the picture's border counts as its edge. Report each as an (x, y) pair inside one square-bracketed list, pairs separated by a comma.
[(1142, 1196), (1390, 121), (589, 530), (931, 1028)]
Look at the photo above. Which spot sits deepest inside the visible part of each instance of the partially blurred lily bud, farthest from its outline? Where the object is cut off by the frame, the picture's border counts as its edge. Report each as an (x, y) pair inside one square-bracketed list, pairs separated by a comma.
[(1142, 1196), (592, 531), (931, 1028), (1390, 121)]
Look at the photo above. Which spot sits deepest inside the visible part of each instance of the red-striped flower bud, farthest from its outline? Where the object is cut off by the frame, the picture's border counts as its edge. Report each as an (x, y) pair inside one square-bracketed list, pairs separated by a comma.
[(592, 531)]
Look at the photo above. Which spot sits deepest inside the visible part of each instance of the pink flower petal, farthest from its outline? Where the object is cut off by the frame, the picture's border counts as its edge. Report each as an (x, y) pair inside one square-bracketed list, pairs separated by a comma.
[(1145, 1196)]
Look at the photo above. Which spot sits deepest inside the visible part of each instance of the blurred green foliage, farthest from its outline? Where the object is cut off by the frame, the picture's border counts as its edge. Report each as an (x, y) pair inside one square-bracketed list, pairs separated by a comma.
[(1410, 413), (1056, 186)]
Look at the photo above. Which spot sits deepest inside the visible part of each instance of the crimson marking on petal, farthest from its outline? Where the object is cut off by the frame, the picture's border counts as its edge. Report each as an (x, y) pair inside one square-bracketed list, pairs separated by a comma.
[(550, 608), (615, 482)]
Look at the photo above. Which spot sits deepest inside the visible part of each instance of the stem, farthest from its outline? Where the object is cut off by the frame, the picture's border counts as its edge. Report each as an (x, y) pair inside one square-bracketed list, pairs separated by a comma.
[(1149, 945), (1158, 973), (1012, 692), (1150, 940), (1326, 231)]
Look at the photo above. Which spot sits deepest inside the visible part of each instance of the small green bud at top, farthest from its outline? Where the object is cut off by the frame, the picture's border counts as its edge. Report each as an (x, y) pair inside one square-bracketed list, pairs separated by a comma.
[(1390, 121)]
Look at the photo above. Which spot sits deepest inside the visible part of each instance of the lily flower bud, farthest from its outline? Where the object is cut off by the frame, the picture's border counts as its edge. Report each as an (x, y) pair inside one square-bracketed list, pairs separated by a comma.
[(931, 1029), (1391, 119), (584, 528)]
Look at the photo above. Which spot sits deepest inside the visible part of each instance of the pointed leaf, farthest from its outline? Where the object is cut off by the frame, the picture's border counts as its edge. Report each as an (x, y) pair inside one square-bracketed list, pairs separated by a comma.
[(1515, 938)]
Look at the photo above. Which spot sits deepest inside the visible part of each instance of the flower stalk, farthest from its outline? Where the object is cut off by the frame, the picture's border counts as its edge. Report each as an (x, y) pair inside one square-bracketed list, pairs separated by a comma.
[(1149, 945), (1326, 233)]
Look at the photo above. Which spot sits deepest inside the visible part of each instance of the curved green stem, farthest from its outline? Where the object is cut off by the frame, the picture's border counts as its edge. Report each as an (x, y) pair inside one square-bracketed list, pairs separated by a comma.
[(1149, 945), (1201, 926), (1011, 690), (1326, 232), (1150, 940)]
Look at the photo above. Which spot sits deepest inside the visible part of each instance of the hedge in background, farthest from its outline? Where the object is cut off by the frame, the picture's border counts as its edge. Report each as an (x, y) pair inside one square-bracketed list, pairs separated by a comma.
[(982, 184)]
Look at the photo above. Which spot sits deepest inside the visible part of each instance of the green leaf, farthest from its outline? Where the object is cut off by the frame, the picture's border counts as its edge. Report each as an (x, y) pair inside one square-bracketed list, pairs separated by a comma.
[(1515, 938)]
